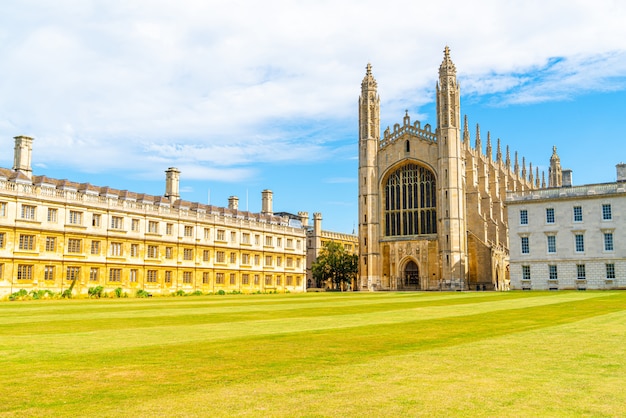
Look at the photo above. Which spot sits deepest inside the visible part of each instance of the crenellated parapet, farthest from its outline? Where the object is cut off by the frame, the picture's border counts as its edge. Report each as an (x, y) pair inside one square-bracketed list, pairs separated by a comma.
[(414, 130)]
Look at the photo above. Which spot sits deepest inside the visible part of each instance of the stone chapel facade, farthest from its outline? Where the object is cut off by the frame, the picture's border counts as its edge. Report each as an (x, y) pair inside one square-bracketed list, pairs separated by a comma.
[(431, 206)]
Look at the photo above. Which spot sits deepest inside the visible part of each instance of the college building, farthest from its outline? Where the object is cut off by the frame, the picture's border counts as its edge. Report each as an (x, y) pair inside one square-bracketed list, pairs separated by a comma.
[(57, 235), (568, 237)]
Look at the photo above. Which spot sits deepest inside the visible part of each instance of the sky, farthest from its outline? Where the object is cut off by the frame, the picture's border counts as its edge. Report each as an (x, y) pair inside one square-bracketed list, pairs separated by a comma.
[(243, 96)]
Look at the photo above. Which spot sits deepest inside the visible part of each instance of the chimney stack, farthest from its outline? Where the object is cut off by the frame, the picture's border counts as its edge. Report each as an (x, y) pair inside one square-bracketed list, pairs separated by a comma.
[(22, 155), (621, 172), (266, 202), (233, 203), (304, 218), (567, 178), (172, 178)]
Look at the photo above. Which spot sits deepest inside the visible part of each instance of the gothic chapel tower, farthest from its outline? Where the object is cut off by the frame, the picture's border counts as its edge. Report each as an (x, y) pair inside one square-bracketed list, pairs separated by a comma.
[(369, 224), (451, 176)]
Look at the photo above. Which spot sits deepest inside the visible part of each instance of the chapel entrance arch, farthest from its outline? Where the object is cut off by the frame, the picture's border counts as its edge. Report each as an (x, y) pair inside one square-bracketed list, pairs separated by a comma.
[(410, 276)]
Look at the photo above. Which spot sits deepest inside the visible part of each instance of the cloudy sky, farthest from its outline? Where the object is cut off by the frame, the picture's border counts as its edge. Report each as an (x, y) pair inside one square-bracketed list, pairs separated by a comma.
[(243, 96)]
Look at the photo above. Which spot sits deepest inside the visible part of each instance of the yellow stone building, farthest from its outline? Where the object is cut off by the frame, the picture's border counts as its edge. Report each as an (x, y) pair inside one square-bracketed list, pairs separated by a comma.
[(431, 206), (55, 233)]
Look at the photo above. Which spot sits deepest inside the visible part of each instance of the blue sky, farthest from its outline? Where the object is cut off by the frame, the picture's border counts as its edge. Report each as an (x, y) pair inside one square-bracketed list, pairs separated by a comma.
[(243, 96)]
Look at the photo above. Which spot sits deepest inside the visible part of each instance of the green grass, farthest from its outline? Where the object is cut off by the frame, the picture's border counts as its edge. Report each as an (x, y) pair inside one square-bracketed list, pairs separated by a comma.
[(323, 354)]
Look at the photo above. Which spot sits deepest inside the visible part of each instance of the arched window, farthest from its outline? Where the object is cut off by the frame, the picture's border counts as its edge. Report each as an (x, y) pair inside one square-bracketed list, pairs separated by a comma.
[(408, 146), (410, 204)]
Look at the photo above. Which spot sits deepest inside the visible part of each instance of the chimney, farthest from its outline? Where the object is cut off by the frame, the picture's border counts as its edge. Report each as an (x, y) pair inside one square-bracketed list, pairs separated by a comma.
[(266, 202), (621, 172), (233, 203), (172, 177), (22, 155), (304, 218), (567, 178)]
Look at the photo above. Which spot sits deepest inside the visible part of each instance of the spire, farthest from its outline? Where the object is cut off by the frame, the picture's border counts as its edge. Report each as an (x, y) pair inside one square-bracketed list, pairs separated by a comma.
[(368, 83), (489, 154), (524, 168), (543, 179), (447, 66), (466, 137), (516, 167), (507, 162), (537, 177), (555, 173), (499, 152), (479, 146), (531, 178)]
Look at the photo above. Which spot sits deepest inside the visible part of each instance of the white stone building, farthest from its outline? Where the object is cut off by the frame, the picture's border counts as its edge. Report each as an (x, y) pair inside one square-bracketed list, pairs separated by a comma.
[(568, 237)]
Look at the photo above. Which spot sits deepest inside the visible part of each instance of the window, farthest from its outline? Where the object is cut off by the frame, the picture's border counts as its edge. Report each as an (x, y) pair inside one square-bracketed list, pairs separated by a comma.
[(24, 272), (3, 209), (48, 273), (245, 278), (289, 243), (27, 242), (608, 241), (72, 273), (133, 276), (2, 239), (153, 227), (610, 271), (233, 278), (580, 242), (278, 281), (206, 279), (75, 217), (268, 241), (525, 246), (233, 236), (169, 229), (257, 239), (279, 261), (188, 231), (553, 272), (153, 251), (117, 222), (245, 258), (115, 275), (606, 212), (52, 214), (257, 279), (257, 260), (134, 250), (28, 212), (51, 243), (187, 277), (219, 256), (552, 244), (550, 215), (95, 247), (134, 225), (289, 281), (220, 235), (233, 258), (116, 249), (268, 280), (94, 274), (96, 220), (523, 217), (268, 260), (219, 278), (289, 262), (580, 272), (279, 242), (207, 233), (525, 272), (578, 213), (169, 253), (206, 255), (151, 277), (168, 277), (298, 244), (188, 254), (245, 238), (73, 245)]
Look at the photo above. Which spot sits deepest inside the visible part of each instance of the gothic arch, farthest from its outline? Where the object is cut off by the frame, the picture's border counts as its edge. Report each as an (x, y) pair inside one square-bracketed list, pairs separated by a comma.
[(409, 191), (410, 274)]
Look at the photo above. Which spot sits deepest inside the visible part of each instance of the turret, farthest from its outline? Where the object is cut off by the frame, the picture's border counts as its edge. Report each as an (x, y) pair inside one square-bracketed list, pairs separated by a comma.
[(172, 178), (266, 202), (23, 154), (555, 173)]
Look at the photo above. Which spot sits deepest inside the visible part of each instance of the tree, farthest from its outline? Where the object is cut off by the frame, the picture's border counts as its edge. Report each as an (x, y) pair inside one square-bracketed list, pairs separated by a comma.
[(334, 264)]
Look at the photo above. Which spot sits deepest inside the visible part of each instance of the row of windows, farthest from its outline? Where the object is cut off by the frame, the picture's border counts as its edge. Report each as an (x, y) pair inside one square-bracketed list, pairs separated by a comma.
[(581, 273), (577, 212), (579, 243), (25, 272)]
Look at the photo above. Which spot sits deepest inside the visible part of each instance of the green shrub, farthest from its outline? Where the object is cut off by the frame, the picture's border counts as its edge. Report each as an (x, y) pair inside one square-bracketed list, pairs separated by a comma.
[(196, 293), (221, 292), (179, 292), (20, 294), (67, 293), (142, 293), (118, 292), (95, 292)]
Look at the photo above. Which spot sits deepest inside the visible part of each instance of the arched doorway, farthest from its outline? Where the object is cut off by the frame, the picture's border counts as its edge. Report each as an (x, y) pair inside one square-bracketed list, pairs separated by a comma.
[(411, 277)]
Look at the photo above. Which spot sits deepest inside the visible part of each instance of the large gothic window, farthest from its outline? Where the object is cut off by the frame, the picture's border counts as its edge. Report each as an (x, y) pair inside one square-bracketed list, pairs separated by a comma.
[(410, 205)]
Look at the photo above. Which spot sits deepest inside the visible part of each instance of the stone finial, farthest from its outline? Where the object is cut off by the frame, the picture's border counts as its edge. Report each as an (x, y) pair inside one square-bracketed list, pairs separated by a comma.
[(466, 137), (537, 177), (524, 168), (369, 82), (516, 166), (499, 152), (479, 146), (507, 162), (447, 66), (543, 179), (488, 152), (531, 178)]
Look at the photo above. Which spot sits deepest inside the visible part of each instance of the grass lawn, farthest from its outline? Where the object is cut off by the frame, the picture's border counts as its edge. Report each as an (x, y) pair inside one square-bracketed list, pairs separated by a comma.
[(321, 354)]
